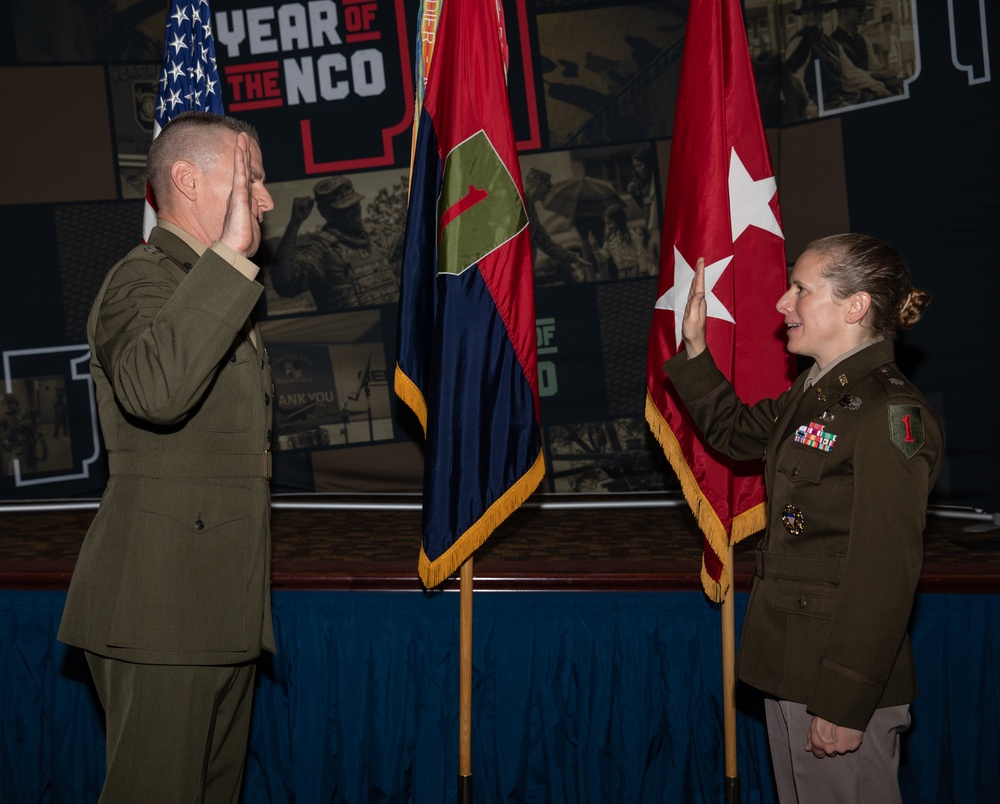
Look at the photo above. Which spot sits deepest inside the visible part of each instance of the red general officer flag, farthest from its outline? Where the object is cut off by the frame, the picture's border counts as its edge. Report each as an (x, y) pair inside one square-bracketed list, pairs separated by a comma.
[(466, 353), (722, 205)]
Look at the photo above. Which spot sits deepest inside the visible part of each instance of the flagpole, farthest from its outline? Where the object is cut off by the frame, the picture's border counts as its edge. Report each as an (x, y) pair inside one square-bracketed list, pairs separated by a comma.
[(729, 689), (465, 684)]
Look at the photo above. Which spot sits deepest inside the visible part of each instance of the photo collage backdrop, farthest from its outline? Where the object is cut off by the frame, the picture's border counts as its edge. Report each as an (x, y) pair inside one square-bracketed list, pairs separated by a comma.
[(894, 136)]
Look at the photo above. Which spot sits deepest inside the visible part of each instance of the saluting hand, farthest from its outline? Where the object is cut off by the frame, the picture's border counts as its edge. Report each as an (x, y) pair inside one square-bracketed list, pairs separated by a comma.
[(695, 313), (241, 228)]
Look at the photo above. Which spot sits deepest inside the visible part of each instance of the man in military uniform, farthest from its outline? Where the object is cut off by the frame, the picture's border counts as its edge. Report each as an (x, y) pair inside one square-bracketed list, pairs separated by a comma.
[(170, 597), (339, 263), (568, 265)]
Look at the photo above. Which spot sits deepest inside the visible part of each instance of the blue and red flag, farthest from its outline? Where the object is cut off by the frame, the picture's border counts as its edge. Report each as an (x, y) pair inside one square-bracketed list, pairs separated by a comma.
[(466, 351), (189, 77)]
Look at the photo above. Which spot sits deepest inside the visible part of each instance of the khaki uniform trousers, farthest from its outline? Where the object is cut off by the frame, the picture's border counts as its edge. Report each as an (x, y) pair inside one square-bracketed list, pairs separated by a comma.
[(865, 776)]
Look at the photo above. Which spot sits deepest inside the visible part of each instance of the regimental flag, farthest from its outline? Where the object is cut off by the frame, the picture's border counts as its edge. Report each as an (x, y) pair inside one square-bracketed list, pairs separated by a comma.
[(467, 360), (189, 78), (721, 205)]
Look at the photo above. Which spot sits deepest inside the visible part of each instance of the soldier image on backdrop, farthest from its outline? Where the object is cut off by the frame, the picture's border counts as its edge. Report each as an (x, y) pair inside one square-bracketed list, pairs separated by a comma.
[(20, 437), (840, 83), (339, 264), (642, 188), (170, 596), (857, 48), (568, 265), (622, 255), (60, 414)]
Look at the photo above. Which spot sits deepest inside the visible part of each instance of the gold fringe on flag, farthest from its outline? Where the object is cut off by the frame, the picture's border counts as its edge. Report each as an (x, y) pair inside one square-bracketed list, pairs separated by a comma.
[(434, 572), (745, 524), (408, 392)]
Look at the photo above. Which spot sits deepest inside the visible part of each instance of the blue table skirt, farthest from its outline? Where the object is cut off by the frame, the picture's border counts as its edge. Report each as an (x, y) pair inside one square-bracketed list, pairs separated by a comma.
[(577, 697)]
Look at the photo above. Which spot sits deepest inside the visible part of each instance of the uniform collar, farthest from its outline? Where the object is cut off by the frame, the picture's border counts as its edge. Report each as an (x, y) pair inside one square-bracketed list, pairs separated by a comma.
[(850, 367), (176, 246), (835, 386), (815, 374), (190, 240)]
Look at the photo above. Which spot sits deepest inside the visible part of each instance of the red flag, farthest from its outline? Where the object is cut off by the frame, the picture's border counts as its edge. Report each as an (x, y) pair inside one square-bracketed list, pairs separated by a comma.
[(466, 353), (722, 205)]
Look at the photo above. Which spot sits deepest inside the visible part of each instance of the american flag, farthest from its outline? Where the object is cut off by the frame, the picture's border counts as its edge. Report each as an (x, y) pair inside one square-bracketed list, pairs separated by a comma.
[(189, 78)]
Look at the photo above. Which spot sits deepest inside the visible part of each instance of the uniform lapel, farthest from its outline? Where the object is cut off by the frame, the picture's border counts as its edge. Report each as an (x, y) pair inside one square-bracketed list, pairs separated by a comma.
[(834, 388)]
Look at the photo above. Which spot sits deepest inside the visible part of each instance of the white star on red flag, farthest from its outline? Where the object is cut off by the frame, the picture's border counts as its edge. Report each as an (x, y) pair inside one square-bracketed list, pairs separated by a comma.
[(676, 298), (750, 200)]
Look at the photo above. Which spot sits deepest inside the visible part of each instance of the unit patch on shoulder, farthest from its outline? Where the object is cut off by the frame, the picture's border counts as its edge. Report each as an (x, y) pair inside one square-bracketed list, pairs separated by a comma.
[(906, 428)]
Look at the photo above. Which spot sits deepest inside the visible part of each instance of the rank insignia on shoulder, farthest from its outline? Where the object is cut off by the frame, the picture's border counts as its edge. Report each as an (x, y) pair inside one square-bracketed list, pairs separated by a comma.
[(792, 519), (814, 435), (906, 428), (152, 249)]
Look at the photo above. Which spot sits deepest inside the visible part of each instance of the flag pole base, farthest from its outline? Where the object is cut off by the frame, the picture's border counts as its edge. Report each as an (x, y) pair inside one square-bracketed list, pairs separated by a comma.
[(732, 790), (465, 789)]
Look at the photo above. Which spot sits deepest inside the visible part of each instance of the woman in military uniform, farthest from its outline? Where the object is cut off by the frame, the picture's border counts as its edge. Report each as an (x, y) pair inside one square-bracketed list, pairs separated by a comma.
[(851, 452)]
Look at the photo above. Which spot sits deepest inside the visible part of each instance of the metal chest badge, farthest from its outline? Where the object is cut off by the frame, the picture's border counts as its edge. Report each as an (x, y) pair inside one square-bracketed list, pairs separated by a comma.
[(815, 435), (792, 519)]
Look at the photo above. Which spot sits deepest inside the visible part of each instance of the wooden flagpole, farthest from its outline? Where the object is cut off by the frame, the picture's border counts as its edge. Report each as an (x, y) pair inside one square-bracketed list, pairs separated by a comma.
[(465, 684), (732, 795)]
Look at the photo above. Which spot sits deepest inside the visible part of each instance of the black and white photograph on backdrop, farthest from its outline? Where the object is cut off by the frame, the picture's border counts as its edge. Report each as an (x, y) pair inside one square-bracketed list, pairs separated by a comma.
[(334, 243), (610, 70), (605, 457), (330, 382), (815, 58), (600, 651), (593, 214)]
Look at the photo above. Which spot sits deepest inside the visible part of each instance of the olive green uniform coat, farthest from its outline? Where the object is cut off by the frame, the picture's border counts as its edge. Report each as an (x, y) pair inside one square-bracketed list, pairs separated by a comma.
[(838, 566), (175, 568)]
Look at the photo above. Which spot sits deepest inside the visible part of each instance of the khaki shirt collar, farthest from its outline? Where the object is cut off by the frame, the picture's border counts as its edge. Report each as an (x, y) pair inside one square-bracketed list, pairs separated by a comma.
[(814, 374), (193, 243)]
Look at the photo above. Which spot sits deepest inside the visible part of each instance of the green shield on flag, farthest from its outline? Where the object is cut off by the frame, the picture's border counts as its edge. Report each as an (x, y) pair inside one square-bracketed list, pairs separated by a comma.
[(480, 208)]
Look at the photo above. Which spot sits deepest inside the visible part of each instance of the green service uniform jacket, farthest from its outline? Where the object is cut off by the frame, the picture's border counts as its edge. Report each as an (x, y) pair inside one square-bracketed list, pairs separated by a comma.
[(175, 568), (849, 464)]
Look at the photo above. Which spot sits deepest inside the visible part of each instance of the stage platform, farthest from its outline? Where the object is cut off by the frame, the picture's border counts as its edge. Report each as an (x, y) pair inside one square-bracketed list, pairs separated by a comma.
[(553, 543), (599, 681)]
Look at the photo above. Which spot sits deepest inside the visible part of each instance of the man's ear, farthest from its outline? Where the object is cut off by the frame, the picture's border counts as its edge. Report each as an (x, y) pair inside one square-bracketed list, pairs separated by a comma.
[(858, 307), (185, 178)]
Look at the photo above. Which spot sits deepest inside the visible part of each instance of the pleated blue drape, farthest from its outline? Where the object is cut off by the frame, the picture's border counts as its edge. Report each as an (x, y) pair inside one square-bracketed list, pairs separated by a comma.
[(577, 697)]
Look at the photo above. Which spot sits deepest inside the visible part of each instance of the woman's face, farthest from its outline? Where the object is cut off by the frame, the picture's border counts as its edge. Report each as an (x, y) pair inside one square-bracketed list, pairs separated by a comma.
[(817, 321)]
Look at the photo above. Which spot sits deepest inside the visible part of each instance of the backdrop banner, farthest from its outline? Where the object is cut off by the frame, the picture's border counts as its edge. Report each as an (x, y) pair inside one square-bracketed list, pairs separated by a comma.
[(851, 98)]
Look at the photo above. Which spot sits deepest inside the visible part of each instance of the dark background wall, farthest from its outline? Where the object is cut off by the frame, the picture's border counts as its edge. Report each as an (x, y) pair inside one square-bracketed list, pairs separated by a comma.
[(591, 82)]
